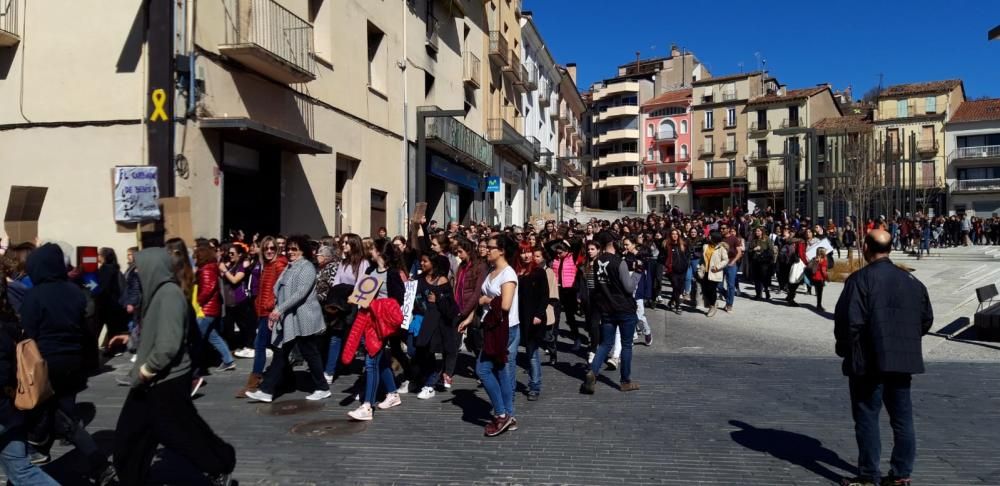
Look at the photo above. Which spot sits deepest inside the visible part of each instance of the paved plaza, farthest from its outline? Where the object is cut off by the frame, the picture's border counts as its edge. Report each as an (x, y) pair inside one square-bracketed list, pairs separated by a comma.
[(752, 397)]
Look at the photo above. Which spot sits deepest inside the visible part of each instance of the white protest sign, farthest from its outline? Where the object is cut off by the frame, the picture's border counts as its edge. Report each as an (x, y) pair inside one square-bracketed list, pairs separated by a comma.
[(408, 299), (136, 194)]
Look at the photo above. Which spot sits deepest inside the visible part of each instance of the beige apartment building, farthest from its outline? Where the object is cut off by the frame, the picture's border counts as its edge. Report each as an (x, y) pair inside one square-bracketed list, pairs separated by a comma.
[(910, 128), (779, 135), (281, 115), (616, 120), (573, 161)]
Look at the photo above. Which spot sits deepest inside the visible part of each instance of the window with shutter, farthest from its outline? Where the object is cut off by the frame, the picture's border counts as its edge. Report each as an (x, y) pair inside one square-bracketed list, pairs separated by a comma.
[(931, 104), (901, 109)]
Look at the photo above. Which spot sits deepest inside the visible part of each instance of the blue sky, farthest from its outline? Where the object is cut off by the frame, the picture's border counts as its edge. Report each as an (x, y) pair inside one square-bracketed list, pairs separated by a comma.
[(848, 42)]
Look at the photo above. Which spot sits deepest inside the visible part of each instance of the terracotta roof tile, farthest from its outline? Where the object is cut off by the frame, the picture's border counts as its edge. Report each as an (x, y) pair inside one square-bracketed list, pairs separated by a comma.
[(980, 110), (790, 95), (850, 123), (920, 88), (669, 97)]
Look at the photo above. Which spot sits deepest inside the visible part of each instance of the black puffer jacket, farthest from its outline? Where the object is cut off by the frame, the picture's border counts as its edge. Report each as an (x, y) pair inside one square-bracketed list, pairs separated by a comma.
[(882, 314)]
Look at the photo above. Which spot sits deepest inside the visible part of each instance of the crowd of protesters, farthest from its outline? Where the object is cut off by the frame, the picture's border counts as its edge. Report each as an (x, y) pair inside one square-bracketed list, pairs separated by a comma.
[(443, 292)]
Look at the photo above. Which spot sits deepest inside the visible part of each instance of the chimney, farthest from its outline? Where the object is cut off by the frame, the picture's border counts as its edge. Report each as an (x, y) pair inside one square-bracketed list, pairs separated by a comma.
[(674, 50), (571, 69)]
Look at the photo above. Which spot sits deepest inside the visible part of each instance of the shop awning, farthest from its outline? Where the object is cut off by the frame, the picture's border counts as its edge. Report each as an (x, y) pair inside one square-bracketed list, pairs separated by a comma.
[(253, 133), (717, 191)]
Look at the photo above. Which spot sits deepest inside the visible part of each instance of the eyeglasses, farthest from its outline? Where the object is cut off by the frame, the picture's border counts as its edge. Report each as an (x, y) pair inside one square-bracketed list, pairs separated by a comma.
[(294, 248), (270, 248)]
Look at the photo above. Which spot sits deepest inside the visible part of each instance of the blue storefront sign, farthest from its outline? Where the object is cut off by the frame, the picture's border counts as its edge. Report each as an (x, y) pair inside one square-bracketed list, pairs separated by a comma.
[(451, 172), (493, 184)]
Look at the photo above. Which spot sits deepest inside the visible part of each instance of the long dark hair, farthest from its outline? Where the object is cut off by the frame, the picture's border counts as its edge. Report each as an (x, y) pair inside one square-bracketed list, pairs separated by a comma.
[(471, 249), (109, 256), (392, 258), (357, 253), (181, 264)]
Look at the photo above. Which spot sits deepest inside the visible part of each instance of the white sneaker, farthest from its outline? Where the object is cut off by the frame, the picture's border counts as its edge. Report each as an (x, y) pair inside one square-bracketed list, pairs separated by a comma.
[(590, 357), (364, 412), (612, 363), (259, 396), (426, 393), (391, 400), (329, 378), (245, 353), (132, 359), (319, 395), (404, 388), (269, 353)]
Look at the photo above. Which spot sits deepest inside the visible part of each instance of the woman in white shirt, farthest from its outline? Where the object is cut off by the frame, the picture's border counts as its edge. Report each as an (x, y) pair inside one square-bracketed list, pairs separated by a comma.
[(497, 371)]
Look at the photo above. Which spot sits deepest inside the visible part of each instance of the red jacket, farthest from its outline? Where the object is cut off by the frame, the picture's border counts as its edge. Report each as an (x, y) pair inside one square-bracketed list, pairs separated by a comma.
[(268, 277), (381, 320), (208, 290), (821, 268)]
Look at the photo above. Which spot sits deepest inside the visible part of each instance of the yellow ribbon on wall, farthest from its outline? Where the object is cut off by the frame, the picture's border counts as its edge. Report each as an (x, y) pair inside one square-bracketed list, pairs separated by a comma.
[(159, 97)]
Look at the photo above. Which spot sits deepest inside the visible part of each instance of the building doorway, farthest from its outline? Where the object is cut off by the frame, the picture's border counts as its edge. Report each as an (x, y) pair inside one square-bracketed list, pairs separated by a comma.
[(251, 190), (378, 211)]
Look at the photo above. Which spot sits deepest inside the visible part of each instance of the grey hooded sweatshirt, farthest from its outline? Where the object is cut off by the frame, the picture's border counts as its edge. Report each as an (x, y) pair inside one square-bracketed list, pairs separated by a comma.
[(165, 320)]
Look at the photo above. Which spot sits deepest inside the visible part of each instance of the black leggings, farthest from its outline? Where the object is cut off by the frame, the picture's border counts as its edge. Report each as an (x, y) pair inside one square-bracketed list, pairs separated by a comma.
[(677, 288), (567, 299)]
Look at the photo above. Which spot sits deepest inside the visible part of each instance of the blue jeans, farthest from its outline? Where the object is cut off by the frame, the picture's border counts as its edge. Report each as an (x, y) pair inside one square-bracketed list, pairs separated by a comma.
[(207, 326), (689, 276), (729, 274), (260, 344), (333, 354), (535, 369), (15, 463), (499, 381), (383, 374), (623, 322), (868, 394)]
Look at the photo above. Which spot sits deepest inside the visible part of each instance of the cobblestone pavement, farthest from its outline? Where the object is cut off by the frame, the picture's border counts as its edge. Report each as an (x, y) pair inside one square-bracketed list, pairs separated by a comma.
[(752, 397)]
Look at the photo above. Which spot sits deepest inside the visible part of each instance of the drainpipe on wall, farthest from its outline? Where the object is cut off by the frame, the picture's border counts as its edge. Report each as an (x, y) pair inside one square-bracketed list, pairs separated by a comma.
[(405, 208)]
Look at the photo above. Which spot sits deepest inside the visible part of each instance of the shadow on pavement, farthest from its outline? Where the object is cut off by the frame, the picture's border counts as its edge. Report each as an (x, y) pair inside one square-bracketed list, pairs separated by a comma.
[(475, 410), (824, 314), (798, 449)]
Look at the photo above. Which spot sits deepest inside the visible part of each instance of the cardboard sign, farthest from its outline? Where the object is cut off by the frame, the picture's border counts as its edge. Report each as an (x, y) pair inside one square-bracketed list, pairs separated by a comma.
[(137, 194), (419, 211), (24, 207), (177, 218), (408, 299), (366, 290)]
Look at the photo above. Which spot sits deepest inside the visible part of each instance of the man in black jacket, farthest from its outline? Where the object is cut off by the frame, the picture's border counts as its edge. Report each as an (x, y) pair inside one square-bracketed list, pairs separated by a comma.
[(613, 298), (882, 314)]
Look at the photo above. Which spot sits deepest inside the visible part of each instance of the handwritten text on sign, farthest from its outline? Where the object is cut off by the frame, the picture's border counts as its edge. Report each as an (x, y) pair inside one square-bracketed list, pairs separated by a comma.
[(366, 290), (408, 299), (136, 194)]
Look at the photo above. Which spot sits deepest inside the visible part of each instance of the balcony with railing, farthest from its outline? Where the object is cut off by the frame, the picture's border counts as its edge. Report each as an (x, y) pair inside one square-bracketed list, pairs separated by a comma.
[(544, 96), (529, 77), (665, 136), (612, 112), (729, 96), (616, 89), (498, 48), (617, 158), (617, 181), (976, 185), (512, 70), (505, 130), (270, 39), (758, 129), (9, 23), (706, 150), (433, 32), (730, 147), (791, 123), (927, 146), (471, 68), (615, 135), (760, 155), (980, 152), (452, 137)]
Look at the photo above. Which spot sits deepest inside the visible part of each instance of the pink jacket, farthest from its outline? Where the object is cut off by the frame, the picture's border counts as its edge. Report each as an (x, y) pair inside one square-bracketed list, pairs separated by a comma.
[(565, 270)]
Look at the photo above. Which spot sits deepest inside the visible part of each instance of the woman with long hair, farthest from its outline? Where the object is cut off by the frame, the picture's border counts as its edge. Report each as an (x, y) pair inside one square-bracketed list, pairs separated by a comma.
[(107, 295), (353, 264), (496, 365), (468, 280), (533, 299), (552, 310), (235, 269), (762, 258), (296, 322), (435, 302), (210, 301), (441, 245), (677, 263), (715, 255)]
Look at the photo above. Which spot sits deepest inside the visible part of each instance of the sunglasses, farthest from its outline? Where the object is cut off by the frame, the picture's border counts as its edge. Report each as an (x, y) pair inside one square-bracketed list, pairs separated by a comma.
[(294, 249), (270, 248)]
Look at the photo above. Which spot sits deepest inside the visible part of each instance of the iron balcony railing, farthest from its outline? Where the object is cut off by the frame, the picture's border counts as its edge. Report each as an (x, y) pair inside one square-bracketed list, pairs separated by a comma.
[(271, 27), (729, 96), (973, 185), (981, 152), (729, 147), (9, 33), (707, 149), (529, 76), (472, 66), (791, 123), (498, 48), (760, 127), (760, 154), (513, 67), (665, 135)]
